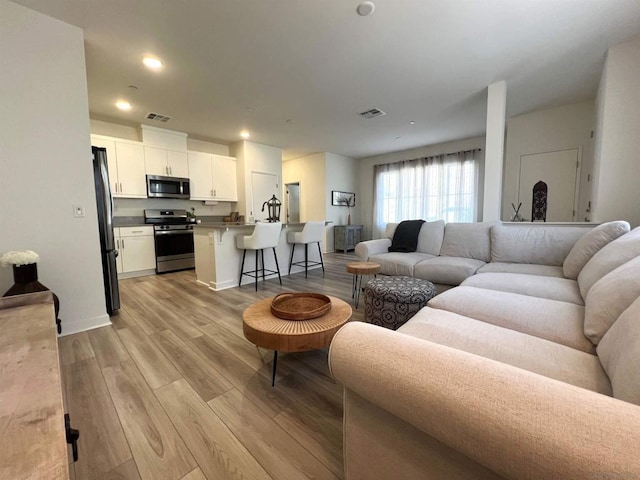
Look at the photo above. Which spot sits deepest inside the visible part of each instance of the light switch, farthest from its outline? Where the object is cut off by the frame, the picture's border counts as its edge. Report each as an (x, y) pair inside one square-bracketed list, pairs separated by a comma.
[(78, 211)]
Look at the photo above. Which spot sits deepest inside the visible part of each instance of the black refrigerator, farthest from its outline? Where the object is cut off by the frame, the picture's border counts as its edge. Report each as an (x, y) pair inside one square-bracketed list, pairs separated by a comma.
[(105, 223)]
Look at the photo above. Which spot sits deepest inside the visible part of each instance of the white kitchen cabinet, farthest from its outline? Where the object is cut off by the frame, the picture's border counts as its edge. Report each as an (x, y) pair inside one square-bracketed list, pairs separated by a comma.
[(136, 249), (125, 161), (168, 163), (213, 177), (225, 185)]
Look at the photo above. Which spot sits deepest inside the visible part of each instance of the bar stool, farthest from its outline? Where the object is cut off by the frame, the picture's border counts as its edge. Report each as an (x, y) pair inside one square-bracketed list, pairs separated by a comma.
[(265, 235), (311, 233)]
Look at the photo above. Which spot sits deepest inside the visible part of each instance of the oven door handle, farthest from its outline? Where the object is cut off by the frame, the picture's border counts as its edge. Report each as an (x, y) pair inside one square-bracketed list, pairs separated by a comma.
[(174, 232)]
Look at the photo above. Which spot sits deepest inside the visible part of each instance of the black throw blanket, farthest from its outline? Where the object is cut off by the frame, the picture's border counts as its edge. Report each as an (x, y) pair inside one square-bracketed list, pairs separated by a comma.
[(405, 238)]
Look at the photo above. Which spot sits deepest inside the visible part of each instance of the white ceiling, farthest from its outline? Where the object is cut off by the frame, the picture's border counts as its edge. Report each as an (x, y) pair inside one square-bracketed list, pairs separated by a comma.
[(296, 73)]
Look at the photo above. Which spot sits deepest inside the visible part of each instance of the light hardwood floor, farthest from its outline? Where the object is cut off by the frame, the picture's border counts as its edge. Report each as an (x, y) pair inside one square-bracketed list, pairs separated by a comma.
[(172, 390)]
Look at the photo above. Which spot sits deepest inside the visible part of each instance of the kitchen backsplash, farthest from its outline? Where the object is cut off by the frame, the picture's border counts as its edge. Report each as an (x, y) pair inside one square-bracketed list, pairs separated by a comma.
[(135, 207)]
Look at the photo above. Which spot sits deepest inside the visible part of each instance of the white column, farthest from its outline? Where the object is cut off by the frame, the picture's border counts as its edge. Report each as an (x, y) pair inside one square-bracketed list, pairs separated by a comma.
[(494, 150)]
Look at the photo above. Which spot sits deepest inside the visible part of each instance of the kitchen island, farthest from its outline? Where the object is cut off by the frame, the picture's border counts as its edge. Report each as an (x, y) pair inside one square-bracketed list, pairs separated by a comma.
[(218, 259)]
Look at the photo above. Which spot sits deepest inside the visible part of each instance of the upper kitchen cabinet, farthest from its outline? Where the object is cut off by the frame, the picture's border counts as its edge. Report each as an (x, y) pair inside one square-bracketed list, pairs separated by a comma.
[(169, 163), (125, 161), (212, 177)]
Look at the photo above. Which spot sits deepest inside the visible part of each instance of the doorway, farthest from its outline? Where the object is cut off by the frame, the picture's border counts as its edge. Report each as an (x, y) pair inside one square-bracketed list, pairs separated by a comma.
[(292, 202), (559, 171)]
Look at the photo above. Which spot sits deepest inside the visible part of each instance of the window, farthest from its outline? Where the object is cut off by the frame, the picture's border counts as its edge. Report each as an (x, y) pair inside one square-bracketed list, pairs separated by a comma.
[(440, 187)]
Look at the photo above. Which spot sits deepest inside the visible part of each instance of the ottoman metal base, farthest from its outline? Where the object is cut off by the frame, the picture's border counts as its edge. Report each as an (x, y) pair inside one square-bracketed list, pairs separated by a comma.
[(391, 301)]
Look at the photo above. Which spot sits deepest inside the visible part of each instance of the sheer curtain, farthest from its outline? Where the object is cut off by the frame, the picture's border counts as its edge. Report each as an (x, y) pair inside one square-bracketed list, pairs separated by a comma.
[(439, 187)]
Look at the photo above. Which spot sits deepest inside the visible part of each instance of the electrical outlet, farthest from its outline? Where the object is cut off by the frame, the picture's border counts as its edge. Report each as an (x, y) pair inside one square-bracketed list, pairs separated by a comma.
[(78, 211)]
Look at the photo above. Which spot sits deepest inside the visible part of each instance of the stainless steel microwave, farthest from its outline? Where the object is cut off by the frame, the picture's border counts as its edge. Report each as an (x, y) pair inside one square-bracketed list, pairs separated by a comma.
[(167, 187)]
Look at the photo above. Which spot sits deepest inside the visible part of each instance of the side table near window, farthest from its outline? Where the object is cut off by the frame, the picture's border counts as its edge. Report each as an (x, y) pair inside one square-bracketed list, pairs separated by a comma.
[(346, 237)]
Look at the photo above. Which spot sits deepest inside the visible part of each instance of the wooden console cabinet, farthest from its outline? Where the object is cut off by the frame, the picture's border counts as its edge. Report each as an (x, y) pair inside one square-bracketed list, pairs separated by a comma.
[(33, 424), (346, 237)]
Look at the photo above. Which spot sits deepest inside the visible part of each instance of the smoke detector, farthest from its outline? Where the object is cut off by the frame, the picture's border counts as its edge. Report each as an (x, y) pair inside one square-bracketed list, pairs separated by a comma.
[(158, 117), (372, 113), (365, 8)]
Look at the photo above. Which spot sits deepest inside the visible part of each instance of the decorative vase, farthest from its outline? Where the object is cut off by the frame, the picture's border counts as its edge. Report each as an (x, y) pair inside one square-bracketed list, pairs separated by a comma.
[(26, 281), (349, 219)]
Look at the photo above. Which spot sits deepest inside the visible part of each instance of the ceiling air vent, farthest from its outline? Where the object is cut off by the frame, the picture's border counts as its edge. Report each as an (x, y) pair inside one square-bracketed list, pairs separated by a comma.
[(158, 117), (372, 113)]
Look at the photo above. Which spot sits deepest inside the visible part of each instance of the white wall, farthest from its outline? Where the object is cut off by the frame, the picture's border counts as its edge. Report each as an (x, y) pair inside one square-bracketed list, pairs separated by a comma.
[(617, 148), (365, 172), (45, 166), (254, 157), (309, 171), (494, 151), (342, 175), (560, 128)]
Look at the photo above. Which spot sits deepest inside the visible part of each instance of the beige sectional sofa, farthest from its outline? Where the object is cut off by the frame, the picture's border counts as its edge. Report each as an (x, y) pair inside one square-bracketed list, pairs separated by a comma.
[(529, 369)]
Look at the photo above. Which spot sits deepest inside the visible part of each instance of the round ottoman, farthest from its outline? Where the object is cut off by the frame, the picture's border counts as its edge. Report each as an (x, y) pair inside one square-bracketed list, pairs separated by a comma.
[(391, 301)]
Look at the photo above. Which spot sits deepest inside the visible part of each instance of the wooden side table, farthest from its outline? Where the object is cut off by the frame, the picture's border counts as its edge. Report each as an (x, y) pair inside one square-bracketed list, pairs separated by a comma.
[(265, 330), (358, 269)]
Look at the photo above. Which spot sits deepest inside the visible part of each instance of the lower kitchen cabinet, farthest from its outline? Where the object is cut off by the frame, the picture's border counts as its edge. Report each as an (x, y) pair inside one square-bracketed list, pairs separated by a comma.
[(346, 237), (136, 249)]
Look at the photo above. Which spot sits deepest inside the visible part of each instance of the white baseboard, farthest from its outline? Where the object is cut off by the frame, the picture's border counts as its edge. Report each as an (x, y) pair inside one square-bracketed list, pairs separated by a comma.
[(69, 327)]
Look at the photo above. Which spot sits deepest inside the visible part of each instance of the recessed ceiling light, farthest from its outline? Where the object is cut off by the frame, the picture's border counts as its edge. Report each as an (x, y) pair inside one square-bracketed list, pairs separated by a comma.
[(365, 8), (397, 138), (154, 63), (244, 134), (123, 105), (412, 122)]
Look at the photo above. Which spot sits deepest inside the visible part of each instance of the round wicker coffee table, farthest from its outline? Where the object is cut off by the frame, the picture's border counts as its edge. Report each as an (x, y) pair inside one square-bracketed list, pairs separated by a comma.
[(265, 330), (358, 269)]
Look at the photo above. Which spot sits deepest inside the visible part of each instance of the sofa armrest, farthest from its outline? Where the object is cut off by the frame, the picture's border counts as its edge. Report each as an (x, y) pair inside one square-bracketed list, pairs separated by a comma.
[(365, 250), (514, 422)]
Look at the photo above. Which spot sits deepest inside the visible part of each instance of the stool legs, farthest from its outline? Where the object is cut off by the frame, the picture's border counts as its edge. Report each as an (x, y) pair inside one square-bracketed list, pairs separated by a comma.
[(275, 364), (321, 261), (258, 269), (275, 257), (244, 253), (293, 249), (306, 259)]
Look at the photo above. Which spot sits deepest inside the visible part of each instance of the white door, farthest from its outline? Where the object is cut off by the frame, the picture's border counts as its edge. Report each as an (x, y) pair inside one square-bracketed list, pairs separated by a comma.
[(263, 186), (559, 170)]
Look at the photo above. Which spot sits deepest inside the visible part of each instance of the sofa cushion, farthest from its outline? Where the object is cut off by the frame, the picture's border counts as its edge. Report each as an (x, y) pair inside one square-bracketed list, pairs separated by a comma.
[(524, 268), (619, 351), (509, 346), (430, 238), (389, 230), (608, 258), (553, 288), (446, 270), (469, 240), (559, 322), (589, 244), (395, 263), (534, 243), (609, 297)]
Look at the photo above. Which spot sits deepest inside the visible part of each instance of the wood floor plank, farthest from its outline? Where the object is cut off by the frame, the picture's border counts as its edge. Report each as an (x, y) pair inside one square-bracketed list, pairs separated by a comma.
[(255, 386), (217, 451), (74, 348), (126, 471), (158, 450), (266, 440), (107, 346), (154, 365), (195, 475), (102, 444), (203, 376)]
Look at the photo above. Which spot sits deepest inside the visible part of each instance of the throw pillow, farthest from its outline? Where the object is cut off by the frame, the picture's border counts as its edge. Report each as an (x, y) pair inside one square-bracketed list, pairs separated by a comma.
[(589, 244), (405, 238), (609, 297)]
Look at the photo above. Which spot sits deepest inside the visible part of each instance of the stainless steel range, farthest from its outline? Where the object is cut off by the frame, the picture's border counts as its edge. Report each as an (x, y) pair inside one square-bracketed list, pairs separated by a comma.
[(173, 234)]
